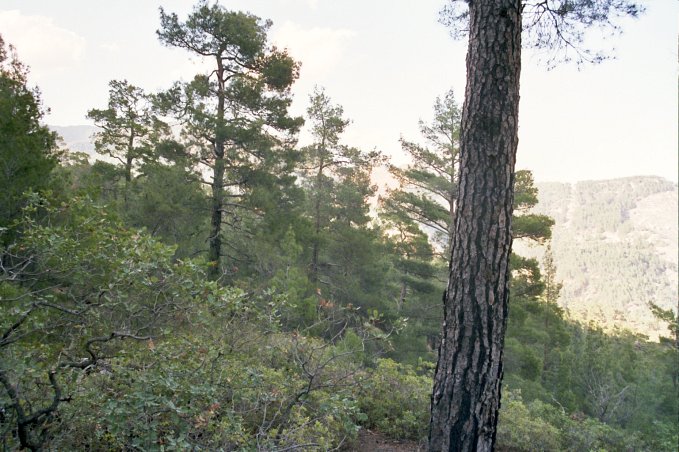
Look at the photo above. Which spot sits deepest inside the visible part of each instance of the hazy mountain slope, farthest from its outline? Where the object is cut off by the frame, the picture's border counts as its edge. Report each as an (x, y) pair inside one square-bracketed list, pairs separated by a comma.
[(77, 138), (615, 247)]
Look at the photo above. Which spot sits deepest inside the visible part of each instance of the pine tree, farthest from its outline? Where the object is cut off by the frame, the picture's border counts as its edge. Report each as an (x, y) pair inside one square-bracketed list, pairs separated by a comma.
[(428, 186), (129, 127), (337, 178), (235, 117), (466, 394)]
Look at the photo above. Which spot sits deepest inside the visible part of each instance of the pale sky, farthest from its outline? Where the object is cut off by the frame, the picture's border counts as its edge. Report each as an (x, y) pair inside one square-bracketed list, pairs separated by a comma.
[(384, 61)]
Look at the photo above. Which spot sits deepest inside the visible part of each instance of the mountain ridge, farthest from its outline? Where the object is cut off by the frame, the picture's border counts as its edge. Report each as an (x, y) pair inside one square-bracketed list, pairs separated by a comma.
[(615, 249)]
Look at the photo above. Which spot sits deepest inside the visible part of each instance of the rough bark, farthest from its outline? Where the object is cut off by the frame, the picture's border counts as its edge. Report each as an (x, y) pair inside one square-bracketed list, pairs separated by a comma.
[(466, 394)]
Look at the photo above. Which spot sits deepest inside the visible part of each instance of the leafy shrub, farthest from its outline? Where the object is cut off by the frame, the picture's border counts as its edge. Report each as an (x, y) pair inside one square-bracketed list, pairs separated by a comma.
[(540, 426), (143, 353), (396, 400), (195, 393), (518, 429)]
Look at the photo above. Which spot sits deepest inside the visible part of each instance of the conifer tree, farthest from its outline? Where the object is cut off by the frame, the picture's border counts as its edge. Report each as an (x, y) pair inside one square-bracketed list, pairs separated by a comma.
[(466, 394), (428, 186), (27, 148), (337, 178), (235, 117), (128, 127)]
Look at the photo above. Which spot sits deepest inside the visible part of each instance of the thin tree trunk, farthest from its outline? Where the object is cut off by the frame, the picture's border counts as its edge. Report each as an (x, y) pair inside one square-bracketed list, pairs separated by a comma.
[(545, 349), (217, 204), (128, 163), (317, 213), (402, 295), (317, 230), (466, 394)]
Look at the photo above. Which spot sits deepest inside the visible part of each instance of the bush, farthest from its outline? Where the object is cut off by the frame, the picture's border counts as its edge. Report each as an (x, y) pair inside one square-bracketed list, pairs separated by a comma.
[(518, 429), (143, 353), (396, 401), (540, 426)]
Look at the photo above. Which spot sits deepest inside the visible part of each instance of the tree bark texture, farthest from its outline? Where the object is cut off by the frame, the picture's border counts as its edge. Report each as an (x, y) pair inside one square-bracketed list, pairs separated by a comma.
[(466, 393)]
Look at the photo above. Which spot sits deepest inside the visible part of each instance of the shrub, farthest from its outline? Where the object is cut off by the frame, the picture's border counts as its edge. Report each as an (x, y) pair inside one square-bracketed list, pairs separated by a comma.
[(518, 429), (396, 400)]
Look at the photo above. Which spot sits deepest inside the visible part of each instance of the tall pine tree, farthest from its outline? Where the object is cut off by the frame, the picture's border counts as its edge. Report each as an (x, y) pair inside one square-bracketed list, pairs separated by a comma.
[(236, 120)]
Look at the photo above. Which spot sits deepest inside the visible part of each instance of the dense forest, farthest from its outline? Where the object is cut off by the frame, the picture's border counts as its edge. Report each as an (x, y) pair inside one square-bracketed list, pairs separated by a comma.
[(212, 285), (622, 228)]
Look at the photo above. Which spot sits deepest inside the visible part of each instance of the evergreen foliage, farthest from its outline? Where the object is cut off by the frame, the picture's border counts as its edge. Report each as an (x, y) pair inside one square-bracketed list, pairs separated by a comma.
[(235, 118), (27, 148), (128, 127)]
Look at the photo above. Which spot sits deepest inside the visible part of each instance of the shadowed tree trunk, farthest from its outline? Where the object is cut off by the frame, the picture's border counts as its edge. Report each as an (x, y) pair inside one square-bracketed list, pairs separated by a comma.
[(217, 204), (466, 394)]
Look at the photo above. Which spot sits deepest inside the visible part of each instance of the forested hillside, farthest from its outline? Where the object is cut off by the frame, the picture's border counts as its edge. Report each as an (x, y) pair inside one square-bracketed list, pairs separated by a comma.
[(215, 285), (615, 249)]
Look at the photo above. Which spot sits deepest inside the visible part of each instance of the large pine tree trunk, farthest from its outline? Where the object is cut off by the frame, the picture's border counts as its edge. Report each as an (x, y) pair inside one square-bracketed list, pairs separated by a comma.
[(466, 394)]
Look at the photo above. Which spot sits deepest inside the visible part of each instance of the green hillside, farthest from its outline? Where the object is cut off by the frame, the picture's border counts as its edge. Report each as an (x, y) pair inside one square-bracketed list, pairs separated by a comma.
[(615, 249)]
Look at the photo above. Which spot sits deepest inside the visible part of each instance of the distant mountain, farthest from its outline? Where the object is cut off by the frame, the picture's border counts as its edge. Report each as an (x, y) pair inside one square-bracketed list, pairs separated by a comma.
[(78, 138), (615, 248)]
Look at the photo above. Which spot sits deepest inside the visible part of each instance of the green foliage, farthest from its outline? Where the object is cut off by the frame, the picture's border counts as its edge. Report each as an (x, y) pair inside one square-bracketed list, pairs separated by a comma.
[(396, 400), (421, 210), (85, 284), (615, 386), (428, 187), (198, 392), (337, 182), (604, 233), (670, 317), (128, 128), (235, 119), (291, 280), (113, 338), (27, 148), (169, 202), (539, 426), (182, 382), (525, 223), (520, 429)]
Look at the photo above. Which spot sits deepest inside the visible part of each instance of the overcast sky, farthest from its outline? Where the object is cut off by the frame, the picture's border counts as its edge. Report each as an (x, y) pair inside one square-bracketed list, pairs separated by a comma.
[(384, 61)]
